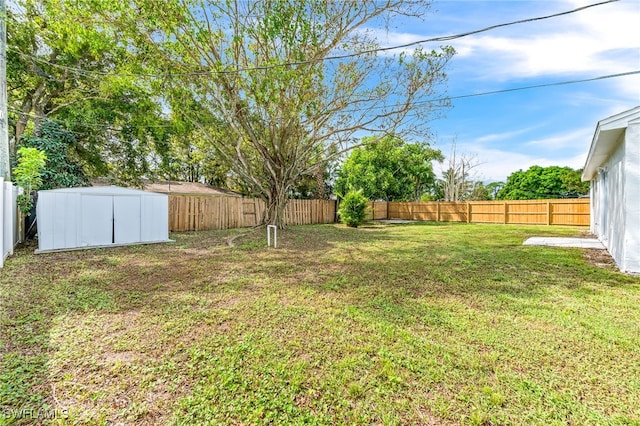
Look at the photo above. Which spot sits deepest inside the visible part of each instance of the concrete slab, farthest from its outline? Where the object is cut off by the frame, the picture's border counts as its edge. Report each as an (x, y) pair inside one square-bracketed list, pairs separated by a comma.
[(395, 221), (590, 243)]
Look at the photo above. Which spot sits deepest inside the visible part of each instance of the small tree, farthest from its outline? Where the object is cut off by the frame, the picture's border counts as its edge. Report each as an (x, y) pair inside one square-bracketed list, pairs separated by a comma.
[(353, 208), (543, 182), (389, 169), (57, 144), (28, 175)]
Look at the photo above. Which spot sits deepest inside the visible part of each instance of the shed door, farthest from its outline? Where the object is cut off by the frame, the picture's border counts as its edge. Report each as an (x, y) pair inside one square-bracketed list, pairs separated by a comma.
[(126, 220), (96, 221)]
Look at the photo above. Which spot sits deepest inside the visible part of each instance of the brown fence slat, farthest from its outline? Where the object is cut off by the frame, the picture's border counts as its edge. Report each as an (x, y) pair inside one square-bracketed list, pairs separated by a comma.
[(201, 212), (198, 212)]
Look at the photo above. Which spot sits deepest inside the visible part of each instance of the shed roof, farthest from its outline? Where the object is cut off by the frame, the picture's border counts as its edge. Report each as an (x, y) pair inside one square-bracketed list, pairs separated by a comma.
[(605, 138), (102, 190)]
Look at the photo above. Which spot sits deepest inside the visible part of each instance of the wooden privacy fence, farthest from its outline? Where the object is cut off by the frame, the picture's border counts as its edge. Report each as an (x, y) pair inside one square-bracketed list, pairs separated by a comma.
[(202, 212), (573, 211)]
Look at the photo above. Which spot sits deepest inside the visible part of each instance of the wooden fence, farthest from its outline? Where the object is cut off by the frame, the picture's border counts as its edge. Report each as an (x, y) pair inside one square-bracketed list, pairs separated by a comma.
[(573, 211), (202, 212)]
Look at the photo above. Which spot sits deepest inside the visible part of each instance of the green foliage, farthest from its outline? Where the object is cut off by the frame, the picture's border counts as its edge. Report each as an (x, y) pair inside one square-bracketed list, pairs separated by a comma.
[(543, 182), (27, 174), (61, 171), (353, 208), (389, 169), (479, 191), (69, 65), (494, 188), (269, 125)]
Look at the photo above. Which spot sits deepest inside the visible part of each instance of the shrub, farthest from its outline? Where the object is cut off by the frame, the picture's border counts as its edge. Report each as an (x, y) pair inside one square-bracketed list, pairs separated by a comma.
[(353, 208), (27, 174)]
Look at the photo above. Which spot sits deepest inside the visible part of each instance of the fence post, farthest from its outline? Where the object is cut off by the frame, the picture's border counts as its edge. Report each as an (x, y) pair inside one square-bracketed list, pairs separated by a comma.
[(468, 212), (548, 212), (506, 213), (437, 211)]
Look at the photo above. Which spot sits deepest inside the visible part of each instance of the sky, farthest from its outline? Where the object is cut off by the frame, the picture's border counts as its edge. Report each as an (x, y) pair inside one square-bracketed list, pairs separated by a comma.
[(551, 126)]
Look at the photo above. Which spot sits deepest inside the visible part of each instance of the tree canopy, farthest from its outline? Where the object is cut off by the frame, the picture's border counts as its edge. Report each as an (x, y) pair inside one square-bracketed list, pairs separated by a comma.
[(543, 182), (259, 95), (68, 64), (280, 87), (389, 169)]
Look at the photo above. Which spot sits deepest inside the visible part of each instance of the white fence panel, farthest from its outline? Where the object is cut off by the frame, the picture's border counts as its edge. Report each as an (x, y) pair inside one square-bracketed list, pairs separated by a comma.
[(9, 235)]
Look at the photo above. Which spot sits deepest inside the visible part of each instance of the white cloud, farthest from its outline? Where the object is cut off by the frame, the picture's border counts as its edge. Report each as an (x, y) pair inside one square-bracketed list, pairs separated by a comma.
[(596, 41), (601, 40), (571, 139), (494, 137), (496, 164)]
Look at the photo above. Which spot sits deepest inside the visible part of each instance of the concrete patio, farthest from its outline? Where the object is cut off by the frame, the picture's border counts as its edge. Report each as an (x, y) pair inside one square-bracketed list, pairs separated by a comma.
[(590, 243)]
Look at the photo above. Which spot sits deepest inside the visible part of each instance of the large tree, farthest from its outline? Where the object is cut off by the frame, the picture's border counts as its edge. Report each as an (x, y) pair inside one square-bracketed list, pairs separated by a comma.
[(291, 82), (543, 182), (389, 169), (67, 64)]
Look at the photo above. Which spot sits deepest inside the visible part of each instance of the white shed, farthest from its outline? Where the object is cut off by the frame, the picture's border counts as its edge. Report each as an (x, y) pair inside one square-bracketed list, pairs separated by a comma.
[(72, 218), (613, 167)]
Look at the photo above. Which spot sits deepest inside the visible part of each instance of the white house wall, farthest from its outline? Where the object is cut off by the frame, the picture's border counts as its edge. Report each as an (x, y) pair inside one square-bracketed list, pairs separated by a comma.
[(615, 202), (612, 217), (631, 260)]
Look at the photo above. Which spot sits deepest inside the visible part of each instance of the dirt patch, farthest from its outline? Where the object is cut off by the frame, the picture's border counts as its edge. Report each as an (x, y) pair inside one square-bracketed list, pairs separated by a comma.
[(600, 258)]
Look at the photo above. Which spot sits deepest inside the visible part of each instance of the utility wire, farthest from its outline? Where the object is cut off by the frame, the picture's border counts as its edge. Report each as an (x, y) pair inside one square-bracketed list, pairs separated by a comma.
[(328, 58), (537, 86)]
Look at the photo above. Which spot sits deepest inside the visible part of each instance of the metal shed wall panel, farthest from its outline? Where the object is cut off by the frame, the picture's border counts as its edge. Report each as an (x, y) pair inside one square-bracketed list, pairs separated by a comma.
[(126, 219), (96, 220), (87, 217), (58, 220), (154, 218)]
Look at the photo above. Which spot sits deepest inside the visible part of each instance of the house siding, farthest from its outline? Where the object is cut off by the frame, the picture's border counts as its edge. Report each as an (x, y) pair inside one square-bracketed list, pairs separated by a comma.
[(631, 259), (615, 202)]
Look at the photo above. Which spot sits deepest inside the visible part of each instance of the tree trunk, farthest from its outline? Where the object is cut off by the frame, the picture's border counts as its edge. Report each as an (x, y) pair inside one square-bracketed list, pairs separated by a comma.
[(319, 175), (276, 203)]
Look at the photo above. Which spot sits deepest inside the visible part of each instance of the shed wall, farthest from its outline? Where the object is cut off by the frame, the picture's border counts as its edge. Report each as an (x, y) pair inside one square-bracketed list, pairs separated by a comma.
[(68, 220)]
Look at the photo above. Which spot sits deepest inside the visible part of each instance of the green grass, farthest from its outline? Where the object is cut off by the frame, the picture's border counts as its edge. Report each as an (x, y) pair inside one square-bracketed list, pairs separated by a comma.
[(412, 324)]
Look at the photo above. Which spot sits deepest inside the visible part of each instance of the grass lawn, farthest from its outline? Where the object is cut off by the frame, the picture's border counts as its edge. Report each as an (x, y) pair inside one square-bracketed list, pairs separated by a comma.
[(410, 324)]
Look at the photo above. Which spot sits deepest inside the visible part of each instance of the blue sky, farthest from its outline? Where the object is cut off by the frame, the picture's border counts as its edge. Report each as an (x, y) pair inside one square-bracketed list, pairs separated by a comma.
[(547, 126)]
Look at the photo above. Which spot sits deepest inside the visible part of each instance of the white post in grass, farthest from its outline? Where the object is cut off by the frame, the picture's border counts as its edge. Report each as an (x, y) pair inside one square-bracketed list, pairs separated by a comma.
[(275, 235)]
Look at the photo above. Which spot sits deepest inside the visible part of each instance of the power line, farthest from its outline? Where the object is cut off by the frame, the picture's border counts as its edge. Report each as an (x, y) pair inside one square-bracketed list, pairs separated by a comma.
[(328, 58), (537, 86), (514, 89)]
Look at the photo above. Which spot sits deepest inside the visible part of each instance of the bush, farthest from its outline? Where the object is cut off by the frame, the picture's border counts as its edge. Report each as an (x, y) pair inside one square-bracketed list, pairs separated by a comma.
[(27, 174), (353, 208)]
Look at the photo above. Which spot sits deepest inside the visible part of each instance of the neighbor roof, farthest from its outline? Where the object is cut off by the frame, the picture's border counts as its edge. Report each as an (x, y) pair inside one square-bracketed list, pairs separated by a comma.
[(101, 190), (605, 140), (174, 187)]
